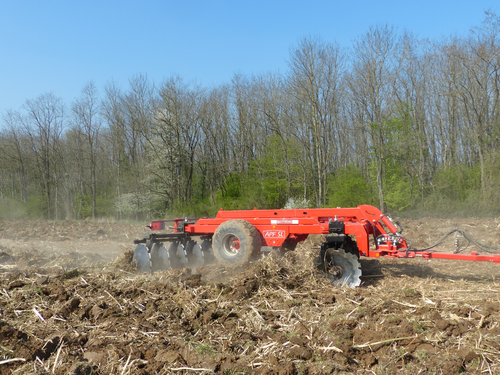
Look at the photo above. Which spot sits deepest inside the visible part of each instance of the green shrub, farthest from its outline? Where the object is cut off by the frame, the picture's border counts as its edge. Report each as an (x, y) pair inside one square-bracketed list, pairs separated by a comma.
[(348, 188)]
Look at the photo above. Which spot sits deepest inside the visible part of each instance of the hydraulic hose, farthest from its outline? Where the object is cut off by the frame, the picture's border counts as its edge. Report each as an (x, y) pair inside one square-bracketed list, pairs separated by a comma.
[(467, 236)]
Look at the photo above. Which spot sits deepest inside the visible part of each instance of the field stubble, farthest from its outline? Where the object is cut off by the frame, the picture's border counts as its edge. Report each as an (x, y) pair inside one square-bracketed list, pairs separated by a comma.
[(70, 302)]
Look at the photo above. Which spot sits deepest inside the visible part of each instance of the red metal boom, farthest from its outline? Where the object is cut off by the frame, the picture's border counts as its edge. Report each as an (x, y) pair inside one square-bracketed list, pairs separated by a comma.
[(362, 223)]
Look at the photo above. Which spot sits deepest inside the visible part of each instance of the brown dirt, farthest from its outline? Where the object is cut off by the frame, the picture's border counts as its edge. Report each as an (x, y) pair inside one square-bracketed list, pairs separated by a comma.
[(70, 303)]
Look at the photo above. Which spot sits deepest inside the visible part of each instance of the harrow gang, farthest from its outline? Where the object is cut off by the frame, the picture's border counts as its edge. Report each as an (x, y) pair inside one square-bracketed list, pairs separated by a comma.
[(237, 237)]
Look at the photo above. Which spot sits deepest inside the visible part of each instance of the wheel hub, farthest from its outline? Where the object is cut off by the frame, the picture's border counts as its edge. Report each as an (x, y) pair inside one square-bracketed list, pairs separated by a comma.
[(335, 271), (231, 245), (235, 245)]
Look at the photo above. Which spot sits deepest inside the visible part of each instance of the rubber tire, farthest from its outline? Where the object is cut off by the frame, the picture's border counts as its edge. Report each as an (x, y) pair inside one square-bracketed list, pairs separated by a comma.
[(246, 233)]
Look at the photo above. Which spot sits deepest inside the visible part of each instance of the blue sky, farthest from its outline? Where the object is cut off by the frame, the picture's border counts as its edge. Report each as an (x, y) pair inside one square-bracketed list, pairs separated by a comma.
[(59, 46)]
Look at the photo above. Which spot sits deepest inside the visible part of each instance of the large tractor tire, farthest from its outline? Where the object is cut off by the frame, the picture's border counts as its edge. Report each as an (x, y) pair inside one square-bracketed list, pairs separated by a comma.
[(236, 242)]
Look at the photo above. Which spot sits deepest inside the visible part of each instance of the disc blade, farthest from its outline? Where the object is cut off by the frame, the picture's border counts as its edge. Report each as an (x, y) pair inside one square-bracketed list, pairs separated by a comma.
[(343, 268), (194, 255), (176, 255), (141, 256), (208, 252), (159, 258)]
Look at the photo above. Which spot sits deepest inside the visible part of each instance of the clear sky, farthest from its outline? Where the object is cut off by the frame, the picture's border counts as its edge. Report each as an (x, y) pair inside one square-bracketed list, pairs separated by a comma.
[(59, 46)]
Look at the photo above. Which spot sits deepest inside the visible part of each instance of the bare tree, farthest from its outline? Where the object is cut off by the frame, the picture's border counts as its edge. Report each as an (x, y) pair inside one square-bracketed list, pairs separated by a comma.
[(14, 154), (129, 116), (174, 138), (43, 125), (479, 88), (315, 82), (87, 123), (371, 83)]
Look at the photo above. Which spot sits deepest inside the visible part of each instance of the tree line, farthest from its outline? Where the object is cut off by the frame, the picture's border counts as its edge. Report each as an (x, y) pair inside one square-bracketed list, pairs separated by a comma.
[(396, 121)]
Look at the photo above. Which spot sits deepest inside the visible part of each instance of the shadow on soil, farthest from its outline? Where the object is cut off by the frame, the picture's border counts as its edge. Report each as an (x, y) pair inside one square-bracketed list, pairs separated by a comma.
[(374, 270)]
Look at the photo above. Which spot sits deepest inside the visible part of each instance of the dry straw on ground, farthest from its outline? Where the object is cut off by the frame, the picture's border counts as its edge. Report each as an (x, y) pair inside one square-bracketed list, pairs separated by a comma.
[(409, 316)]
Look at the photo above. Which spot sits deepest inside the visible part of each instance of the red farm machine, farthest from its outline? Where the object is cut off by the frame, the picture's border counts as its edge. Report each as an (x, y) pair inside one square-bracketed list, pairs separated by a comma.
[(237, 237)]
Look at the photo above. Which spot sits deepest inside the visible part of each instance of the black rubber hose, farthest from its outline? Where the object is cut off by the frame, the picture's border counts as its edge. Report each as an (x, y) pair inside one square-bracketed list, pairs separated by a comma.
[(486, 248)]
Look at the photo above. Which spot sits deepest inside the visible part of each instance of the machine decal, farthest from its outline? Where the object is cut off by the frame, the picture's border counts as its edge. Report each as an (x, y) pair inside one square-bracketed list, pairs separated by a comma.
[(284, 221), (274, 233)]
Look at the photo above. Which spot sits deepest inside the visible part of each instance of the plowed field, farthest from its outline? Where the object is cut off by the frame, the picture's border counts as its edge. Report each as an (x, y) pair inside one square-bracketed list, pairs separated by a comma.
[(71, 303)]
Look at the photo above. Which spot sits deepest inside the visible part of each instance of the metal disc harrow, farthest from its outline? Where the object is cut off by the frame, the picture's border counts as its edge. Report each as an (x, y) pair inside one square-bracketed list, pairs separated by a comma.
[(173, 255), (238, 237)]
